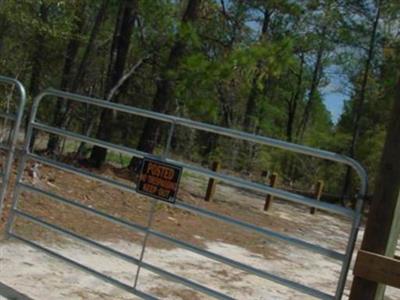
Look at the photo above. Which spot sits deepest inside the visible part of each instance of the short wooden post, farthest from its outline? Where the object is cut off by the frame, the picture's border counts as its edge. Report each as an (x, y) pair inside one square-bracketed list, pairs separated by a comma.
[(319, 187), (268, 200), (212, 183)]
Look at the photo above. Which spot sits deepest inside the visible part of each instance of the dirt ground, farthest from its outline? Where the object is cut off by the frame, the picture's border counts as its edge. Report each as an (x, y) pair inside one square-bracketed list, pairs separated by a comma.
[(42, 277)]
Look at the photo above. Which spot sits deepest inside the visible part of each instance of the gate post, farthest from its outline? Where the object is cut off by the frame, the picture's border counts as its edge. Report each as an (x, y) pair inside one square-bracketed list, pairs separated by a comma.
[(268, 200), (212, 183)]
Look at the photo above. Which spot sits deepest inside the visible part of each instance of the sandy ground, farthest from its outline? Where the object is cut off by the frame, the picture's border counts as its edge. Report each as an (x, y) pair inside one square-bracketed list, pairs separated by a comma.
[(49, 278), (42, 277)]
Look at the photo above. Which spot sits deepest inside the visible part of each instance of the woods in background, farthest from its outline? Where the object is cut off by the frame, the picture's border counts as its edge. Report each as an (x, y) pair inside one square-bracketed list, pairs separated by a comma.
[(258, 66)]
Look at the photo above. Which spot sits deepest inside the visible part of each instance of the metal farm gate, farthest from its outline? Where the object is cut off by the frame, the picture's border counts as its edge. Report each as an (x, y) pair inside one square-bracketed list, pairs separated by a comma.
[(148, 231), (11, 130)]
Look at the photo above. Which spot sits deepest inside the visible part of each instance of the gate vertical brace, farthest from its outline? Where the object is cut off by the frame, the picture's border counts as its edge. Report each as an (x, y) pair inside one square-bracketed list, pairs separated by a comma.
[(21, 167), (13, 137), (152, 209), (16, 194), (350, 248), (146, 237)]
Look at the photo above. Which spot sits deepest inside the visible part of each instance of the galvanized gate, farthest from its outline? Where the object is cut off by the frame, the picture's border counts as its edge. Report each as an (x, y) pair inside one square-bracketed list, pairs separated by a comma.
[(149, 231), (12, 130)]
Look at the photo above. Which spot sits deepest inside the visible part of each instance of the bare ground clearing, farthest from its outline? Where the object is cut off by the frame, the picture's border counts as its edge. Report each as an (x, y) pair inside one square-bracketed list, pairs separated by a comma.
[(45, 278)]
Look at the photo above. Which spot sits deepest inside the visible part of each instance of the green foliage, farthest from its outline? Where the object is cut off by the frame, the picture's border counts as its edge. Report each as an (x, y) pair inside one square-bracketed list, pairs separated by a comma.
[(249, 65)]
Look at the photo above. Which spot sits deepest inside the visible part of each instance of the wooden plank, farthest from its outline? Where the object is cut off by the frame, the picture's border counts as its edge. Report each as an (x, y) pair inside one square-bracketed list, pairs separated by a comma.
[(378, 268)]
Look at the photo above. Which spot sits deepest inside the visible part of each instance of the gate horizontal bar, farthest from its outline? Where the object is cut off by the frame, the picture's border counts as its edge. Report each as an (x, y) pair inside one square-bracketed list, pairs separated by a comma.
[(10, 293), (220, 131), (5, 147), (84, 268), (272, 234), (246, 268), (197, 210), (8, 116), (295, 198), (121, 255), (187, 246), (17, 84), (233, 180)]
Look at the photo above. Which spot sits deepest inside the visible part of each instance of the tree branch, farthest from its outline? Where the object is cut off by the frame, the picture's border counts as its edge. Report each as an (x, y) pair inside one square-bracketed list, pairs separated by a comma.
[(126, 76)]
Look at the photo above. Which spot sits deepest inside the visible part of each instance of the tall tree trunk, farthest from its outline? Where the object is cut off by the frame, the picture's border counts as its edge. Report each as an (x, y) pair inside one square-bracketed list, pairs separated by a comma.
[(251, 106), (118, 57), (293, 102), (37, 61), (316, 78), (66, 113), (38, 54), (70, 57), (3, 27), (84, 63), (250, 124), (292, 105), (359, 107), (165, 86)]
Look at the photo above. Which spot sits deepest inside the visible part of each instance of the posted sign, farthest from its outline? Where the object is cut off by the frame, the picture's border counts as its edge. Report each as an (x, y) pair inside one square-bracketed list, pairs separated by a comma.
[(159, 180)]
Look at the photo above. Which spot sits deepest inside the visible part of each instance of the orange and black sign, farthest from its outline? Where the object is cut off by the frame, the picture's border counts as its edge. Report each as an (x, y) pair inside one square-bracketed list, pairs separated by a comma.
[(159, 180)]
